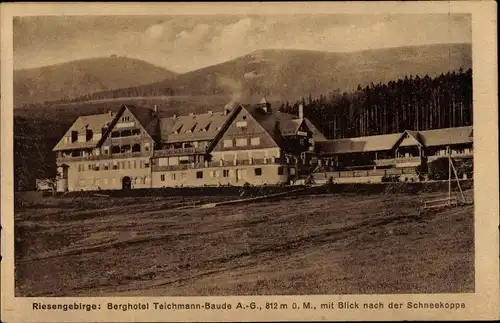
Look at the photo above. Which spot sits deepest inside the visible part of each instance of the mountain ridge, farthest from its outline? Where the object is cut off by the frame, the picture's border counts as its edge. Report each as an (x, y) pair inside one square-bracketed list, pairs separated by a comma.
[(79, 77), (287, 74)]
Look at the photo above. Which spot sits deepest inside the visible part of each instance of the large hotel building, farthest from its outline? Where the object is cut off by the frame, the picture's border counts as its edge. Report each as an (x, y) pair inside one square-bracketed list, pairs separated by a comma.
[(136, 147)]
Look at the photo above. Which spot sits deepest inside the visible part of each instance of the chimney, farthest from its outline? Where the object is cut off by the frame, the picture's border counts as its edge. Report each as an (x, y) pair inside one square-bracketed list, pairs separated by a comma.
[(301, 111), (264, 105)]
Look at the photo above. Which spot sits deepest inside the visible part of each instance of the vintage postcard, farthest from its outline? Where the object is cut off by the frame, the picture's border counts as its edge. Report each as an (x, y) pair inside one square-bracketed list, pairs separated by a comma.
[(256, 161)]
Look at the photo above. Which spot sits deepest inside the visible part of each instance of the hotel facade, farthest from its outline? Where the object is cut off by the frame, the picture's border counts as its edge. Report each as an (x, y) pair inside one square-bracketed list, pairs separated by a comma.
[(137, 147)]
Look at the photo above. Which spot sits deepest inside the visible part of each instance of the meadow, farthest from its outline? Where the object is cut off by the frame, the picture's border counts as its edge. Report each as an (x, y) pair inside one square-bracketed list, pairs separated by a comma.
[(341, 243)]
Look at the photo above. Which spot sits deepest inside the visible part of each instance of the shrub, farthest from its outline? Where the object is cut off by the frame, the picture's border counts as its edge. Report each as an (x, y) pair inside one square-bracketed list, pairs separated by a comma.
[(438, 169), (465, 167)]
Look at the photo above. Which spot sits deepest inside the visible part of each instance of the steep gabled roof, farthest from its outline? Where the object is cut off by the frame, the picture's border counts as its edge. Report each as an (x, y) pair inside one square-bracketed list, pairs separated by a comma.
[(270, 122), (316, 134), (412, 139), (288, 123), (147, 118), (92, 122)]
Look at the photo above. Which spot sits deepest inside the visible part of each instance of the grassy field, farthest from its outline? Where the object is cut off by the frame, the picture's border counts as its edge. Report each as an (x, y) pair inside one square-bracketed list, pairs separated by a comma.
[(327, 244)]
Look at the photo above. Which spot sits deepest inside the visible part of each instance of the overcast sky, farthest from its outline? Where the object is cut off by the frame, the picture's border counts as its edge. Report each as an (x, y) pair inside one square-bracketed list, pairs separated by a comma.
[(185, 43)]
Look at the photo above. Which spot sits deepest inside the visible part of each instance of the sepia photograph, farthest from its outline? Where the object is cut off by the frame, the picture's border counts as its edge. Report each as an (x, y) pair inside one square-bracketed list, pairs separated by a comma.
[(244, 154)]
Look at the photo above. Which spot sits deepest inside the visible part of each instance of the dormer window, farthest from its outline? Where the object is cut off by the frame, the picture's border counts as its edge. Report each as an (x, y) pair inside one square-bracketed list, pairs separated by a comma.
[(89, 134), (74, 136)]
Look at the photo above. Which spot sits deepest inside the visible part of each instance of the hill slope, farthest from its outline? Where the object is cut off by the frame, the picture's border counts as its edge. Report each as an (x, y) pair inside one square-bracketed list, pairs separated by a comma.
[(80, 77), (290, 74)]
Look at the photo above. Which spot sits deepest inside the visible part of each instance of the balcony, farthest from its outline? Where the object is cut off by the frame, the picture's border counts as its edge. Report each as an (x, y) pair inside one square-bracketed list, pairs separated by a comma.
[(157, 168), (78, 158), (225, 163), (130, 154), (385, 162), (179, 152), (408, 161), (102, 157)]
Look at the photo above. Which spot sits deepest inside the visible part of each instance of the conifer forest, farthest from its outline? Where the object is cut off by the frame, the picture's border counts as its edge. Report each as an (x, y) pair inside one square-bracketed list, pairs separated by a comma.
[(412, 103)]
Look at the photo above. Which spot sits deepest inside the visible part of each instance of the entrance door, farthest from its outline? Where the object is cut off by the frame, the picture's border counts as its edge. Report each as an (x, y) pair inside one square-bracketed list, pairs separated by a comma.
[(126, 183), (239, 175)]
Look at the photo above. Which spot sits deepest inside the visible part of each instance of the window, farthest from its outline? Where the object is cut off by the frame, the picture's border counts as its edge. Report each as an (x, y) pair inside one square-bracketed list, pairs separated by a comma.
[(241, 142), (228, 142), (199, 174), (162, 161), (225, 173), (162, 177), (281, 170), (241, 124), (135, 164), (105, 166), (136, 148), (89, 166), (172, 176), (146, 164), (292, 171), (74, 136), (115, 134), (146, 146), (255, 141), (96, 168), (213, 174), (105, 150), (258, 171)]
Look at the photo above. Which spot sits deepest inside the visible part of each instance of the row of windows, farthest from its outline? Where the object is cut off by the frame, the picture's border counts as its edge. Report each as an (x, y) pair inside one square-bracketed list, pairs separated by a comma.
[(105, 181), (241, 142), (199, 175), (129, 164), (217, 173), (125, 148)]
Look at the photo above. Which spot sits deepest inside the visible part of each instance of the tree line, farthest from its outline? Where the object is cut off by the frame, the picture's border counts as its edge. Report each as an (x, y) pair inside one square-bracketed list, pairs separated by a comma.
[(412, 103)]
